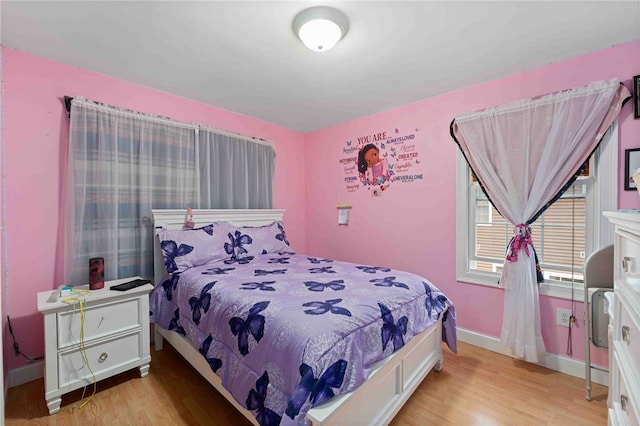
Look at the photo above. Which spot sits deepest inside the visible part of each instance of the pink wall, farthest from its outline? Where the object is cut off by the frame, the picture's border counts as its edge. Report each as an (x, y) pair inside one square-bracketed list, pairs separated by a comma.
[(36, 128), (412, 226)]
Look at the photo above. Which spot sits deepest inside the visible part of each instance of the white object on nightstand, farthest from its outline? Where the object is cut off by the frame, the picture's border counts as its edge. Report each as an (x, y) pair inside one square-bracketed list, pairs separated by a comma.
[(116, 336), (624, 349)]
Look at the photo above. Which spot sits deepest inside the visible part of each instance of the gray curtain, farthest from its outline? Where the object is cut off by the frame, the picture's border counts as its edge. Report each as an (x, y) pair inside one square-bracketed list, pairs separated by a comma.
[(234, 172), (123, 163)]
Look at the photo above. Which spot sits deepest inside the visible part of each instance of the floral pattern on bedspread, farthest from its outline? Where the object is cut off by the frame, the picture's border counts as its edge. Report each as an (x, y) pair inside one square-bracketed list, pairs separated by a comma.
[(288, 332)]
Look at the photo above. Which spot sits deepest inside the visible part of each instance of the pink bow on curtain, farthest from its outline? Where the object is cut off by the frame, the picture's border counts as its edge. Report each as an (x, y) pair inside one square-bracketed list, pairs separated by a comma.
[(520, 241)]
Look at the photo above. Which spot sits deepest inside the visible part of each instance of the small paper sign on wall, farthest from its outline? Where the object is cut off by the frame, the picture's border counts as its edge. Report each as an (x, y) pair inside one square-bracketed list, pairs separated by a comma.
[(343, 213)]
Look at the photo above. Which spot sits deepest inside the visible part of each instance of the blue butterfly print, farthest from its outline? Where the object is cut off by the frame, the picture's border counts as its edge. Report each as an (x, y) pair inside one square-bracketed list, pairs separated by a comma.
[(254, 325), (238, 240), (201, 303), (322, 269), (264, 286), (326, 306), (240, 261), (208, 229), (314, 260), (170, 284), (280, 260), (255, 402), (382, 146), (388, 282), (263, 272), (171, 250), (282, 236), (373, 269), (348, 143), (439, 303), (214, 363), (217, 271), (390, 330), (174, 324), (333, 285), (318, 390)]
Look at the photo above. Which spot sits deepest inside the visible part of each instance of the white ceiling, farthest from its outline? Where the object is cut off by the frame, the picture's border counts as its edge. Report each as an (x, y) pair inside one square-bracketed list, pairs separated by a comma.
[(243, 56)]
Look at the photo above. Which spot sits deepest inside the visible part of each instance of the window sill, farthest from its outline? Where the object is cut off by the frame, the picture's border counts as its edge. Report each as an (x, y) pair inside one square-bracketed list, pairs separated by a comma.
[(556, 289)]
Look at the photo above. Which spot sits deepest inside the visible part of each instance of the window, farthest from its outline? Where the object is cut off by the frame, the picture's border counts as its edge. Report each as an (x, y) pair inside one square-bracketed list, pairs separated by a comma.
[(563, 236), (484, 212), (123, 164), (558, 235)]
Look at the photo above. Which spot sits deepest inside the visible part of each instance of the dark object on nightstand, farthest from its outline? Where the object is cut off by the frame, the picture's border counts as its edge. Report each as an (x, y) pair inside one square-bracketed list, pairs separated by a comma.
[(96, 273), (129, 285)]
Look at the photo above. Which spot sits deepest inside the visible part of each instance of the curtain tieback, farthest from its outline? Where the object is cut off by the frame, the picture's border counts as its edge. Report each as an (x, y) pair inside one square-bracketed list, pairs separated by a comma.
[(522, 240)]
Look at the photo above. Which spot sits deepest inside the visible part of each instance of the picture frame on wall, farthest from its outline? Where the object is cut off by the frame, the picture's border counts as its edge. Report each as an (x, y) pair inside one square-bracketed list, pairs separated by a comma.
[(631, 164), (636, 96)]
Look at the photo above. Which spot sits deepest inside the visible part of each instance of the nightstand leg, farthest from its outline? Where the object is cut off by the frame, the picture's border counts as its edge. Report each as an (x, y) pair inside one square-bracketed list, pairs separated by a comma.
[(144, 370), (54, 405)]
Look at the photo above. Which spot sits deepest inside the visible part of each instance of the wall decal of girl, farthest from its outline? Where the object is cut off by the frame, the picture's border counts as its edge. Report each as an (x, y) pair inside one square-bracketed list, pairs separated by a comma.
[(372, 167)]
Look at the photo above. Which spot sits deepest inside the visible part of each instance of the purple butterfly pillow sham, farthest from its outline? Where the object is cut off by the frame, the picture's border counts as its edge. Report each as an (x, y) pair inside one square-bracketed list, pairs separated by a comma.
[(185, 248), (250, 241)]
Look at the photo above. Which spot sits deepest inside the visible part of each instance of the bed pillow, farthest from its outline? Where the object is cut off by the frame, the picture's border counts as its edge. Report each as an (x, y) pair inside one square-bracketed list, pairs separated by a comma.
[(254, 240), (185, 248)]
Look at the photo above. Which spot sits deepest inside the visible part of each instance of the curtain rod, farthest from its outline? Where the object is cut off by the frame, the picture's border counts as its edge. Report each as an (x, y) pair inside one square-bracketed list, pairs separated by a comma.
[(67, 105), (235, 135)]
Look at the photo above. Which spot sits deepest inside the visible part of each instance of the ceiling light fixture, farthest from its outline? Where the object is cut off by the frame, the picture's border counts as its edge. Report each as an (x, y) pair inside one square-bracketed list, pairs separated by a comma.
[(320, 27)]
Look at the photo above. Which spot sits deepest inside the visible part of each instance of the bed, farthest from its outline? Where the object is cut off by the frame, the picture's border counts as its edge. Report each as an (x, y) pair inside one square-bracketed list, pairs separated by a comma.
[(289, 338)]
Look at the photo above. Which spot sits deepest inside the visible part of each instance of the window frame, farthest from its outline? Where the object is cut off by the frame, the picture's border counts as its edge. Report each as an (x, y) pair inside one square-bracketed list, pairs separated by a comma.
[(489, 212), (598, 230)]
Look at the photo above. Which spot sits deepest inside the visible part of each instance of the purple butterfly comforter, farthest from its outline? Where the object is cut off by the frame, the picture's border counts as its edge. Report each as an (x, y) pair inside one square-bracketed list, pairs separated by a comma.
[(288, 332)]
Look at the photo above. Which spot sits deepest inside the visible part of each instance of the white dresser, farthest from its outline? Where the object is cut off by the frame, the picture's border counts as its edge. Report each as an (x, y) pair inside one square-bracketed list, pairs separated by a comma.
[(624, 350), (113, 337)]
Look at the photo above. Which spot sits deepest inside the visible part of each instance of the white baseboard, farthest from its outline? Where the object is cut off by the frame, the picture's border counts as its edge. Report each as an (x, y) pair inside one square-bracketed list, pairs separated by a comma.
[(24, 374), (554, 362), (35, 371)]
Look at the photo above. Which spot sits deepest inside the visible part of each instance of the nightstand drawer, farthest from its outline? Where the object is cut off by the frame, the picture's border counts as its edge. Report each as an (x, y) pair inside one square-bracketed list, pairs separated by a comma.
[(623, 399), (103, 320), (628, 334), (629, 249), (102, 357)]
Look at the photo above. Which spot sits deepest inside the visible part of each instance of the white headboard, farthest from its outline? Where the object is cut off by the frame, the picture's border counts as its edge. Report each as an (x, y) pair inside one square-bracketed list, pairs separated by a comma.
[(174, 219)]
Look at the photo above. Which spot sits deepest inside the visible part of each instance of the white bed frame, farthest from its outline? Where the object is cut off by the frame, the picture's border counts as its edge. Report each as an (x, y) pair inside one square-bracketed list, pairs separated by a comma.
[(376, 401)]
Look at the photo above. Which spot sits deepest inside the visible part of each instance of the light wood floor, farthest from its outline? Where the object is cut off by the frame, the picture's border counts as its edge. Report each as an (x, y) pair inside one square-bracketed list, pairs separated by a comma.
[(475, 387)]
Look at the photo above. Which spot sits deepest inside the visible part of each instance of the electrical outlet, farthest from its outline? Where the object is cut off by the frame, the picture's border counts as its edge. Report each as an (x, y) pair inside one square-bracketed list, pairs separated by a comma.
[(563, 317)]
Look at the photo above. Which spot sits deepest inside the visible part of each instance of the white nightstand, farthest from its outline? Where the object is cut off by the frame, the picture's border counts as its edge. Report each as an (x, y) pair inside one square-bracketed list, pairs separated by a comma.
[(116, 337)]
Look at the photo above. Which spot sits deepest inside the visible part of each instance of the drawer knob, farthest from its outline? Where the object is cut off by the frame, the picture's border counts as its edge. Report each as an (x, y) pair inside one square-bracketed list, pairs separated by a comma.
[(103, 357), (626, 334), (626, 263), (624, 402)]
